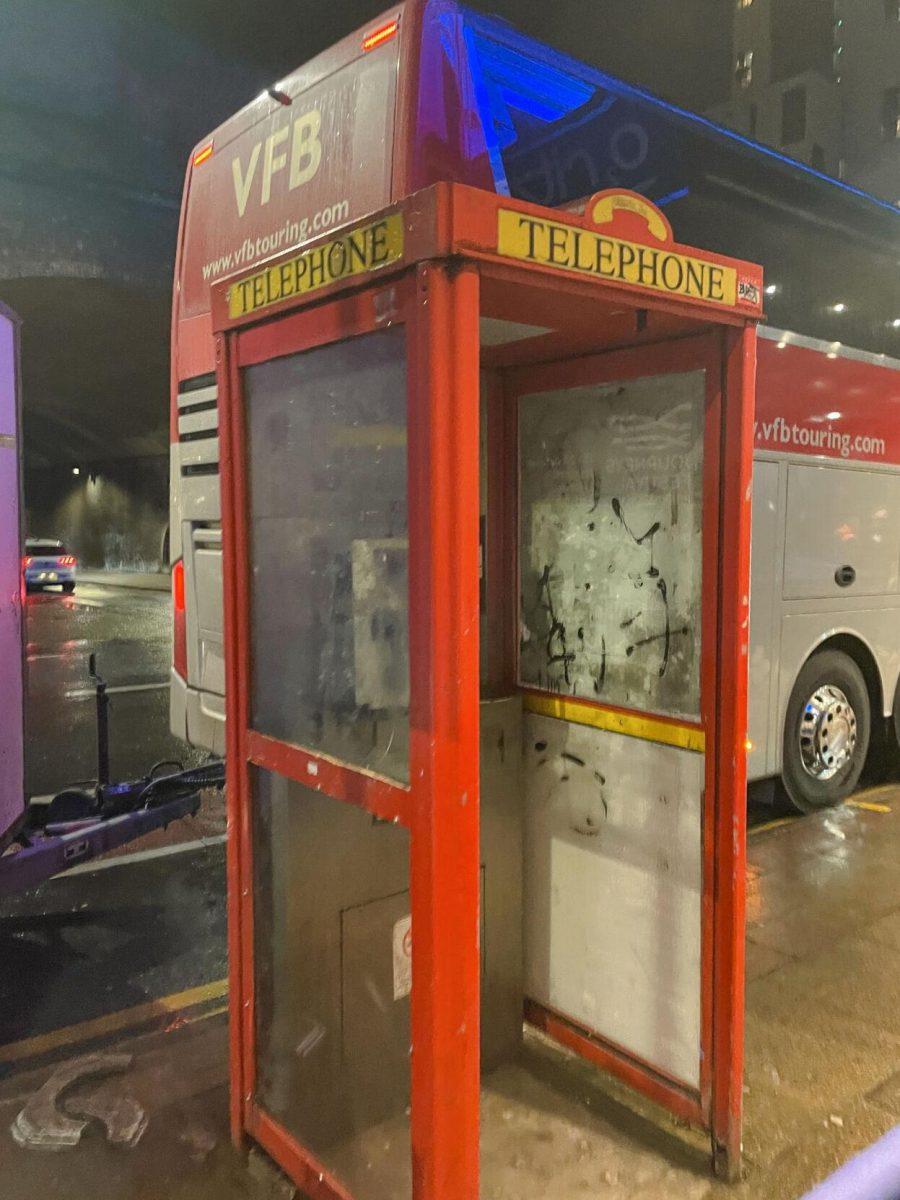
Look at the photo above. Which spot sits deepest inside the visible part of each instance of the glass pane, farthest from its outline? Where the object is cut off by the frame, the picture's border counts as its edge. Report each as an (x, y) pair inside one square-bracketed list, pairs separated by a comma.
[(333, 981), (610, 542), (326, 431)]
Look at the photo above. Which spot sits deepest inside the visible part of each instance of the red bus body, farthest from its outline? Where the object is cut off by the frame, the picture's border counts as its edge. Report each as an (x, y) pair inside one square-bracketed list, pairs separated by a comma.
[(426, 93)]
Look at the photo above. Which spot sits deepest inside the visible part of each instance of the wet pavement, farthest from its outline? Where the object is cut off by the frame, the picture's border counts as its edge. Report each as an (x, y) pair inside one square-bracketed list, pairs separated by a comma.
[(87, 944), (130, 631), (822, 1077), (130, 956), (148, 921)]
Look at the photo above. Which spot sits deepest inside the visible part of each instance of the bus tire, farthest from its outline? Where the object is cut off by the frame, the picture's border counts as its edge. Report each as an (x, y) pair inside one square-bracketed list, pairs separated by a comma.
[(827, 729)]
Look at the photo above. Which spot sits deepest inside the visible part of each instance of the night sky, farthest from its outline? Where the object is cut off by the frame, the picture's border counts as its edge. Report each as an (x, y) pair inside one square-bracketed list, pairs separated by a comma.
[(685, 59), (160, 75)]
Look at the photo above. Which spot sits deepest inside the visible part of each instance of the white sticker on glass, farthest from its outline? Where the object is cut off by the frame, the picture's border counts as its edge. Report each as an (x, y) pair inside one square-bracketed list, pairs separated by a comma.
[(402, 957)]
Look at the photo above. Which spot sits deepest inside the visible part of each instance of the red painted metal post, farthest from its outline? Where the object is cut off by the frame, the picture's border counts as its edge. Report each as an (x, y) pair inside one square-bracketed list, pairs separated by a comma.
[(240, 841), (445, 867), (232, 757), (731, 816)]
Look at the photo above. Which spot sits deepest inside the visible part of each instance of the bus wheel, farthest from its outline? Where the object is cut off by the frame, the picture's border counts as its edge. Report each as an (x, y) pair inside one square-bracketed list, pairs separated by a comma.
[(826, 732)]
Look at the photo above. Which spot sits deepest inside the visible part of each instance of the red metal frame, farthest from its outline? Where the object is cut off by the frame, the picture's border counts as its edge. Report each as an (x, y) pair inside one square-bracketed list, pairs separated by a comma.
[(439, 296), (304, 1168), (384, 799), (235, 773), (730, 818), (446, 860), (643, 1076)]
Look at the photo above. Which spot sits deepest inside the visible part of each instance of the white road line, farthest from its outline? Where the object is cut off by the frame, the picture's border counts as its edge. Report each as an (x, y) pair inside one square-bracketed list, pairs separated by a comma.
[(120, 690), (125, 860), (37, 657)]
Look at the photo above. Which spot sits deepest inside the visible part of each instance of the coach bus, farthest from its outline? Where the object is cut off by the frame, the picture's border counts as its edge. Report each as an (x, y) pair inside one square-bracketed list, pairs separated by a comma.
[(432, 91)]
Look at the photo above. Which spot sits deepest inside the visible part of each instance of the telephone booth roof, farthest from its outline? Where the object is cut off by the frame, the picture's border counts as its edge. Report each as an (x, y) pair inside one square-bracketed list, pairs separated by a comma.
[(621, 243)]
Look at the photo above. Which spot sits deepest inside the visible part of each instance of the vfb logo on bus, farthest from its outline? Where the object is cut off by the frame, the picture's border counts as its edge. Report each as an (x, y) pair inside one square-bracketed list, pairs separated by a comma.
[(305, 153)]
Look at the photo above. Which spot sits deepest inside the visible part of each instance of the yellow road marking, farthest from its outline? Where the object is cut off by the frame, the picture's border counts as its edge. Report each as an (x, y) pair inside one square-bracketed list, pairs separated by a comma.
[(867, 806), (128, 1018), (870, 806), (636, 725), (210, 1012), (776, 824)]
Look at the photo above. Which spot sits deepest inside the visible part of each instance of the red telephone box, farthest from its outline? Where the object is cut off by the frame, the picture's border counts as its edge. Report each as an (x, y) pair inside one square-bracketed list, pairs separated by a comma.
[(486, 488)]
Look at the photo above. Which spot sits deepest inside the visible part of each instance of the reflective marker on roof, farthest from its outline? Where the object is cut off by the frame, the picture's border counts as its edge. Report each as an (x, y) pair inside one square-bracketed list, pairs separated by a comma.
[(378, 36)]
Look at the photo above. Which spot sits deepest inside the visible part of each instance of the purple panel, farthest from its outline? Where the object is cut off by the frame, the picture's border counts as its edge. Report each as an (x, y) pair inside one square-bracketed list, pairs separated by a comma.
[(11, 674), (872, 1175)]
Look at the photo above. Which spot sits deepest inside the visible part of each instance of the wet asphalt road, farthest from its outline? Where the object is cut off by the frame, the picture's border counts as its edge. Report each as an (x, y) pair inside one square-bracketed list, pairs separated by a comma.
[(115, 935), (129, 630), (87, 944)]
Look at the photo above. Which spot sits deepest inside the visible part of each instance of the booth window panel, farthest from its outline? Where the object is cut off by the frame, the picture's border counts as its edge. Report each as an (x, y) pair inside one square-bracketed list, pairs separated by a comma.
[(610, 542), (326, 432), (332, 967), (613, 885)]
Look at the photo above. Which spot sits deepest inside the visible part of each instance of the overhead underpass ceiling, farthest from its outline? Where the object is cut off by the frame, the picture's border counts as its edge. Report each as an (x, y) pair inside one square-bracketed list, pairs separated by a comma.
[(94, 369)]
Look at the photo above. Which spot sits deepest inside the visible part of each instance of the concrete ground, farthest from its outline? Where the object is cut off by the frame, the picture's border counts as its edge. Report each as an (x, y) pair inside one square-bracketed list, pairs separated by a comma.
[(823, 1063)]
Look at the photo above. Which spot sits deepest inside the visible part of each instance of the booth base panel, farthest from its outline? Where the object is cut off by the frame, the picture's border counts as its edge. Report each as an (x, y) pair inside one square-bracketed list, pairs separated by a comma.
[(612, 888)]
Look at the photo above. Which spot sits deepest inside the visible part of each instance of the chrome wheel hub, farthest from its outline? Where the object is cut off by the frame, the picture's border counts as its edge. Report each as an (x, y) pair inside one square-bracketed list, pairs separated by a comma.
[(827, 732)]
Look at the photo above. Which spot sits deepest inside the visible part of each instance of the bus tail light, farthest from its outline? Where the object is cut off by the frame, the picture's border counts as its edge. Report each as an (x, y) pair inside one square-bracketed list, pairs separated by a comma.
[(68, 560), (179, 621), (27, 561)]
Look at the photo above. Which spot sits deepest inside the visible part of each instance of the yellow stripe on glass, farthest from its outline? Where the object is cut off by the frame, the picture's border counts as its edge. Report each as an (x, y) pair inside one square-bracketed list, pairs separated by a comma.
[(636, 725)]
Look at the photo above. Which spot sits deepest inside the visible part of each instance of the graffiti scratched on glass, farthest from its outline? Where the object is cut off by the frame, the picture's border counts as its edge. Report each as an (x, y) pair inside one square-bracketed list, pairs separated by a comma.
[(611, 542)]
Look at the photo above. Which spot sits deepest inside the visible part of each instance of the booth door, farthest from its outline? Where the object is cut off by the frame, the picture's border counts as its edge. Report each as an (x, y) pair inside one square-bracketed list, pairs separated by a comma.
[(617, 585), (326, 738), (356, 647)]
